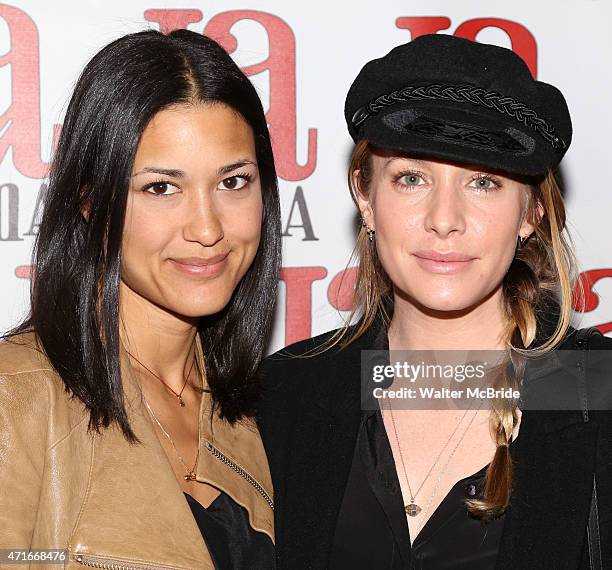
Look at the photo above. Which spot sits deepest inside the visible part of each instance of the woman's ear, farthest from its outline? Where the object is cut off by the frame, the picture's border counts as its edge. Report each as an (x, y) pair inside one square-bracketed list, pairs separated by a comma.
[(364, 202), (529, 224)]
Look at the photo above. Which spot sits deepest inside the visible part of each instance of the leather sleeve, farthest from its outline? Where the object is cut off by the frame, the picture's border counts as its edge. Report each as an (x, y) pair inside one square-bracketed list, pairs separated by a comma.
[(24, 417)]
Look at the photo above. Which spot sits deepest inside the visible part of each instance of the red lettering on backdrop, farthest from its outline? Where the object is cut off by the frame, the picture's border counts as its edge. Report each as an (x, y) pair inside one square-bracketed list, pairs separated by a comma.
[(423, 25), (521, 39), (170, 20), (21, 121), (24, 271), (342, 289), (280, 64), (298, 303), (591, 299)]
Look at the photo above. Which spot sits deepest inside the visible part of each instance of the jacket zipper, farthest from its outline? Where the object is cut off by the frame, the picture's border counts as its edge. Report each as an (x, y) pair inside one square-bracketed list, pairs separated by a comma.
[(225, 459), (114, 564)]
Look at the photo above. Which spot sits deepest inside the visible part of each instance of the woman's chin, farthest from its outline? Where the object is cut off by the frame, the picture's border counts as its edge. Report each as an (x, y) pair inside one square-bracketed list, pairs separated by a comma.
[(197, 306), (437, 302)]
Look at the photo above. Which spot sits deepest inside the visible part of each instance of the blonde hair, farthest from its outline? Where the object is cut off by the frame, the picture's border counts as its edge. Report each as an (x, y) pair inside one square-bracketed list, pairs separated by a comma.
[(544, 266)]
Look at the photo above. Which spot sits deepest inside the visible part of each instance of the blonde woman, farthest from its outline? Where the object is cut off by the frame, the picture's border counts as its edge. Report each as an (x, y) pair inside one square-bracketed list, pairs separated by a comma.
[(463, 246)]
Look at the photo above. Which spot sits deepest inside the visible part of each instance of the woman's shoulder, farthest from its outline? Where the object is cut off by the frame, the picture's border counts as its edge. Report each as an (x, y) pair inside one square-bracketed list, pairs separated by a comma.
[(590, 352), (23, 354), (599, 342), (33, 398), (310, 366), (309, 356), (26, 372), (590, 338), (312, 347)]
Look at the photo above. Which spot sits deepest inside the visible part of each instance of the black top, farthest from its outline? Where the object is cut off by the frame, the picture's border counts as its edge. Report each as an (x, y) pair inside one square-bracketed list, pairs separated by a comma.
[(372, 531), (310, 418), (232, 542)]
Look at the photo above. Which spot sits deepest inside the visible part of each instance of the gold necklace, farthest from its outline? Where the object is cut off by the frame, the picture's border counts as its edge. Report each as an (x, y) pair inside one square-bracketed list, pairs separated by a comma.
[(191, 473), (179, 396), (412, 509)]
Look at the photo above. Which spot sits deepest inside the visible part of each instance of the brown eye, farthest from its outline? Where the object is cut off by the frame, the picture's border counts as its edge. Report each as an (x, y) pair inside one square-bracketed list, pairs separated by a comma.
[(161, 189), (233, 183)]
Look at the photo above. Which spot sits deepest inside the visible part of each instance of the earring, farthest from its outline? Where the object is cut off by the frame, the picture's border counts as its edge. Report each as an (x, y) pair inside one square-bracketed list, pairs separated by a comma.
[(369, 231), (520, 241)]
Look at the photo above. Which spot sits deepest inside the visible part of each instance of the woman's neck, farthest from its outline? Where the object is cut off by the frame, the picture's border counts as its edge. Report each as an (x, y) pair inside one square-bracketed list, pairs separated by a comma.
[(162, 341), (480, 327)]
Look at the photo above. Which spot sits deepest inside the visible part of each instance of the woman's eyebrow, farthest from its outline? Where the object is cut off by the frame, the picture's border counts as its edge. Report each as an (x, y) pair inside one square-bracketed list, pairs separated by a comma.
[(175, 173), (235, 165), (164, 171), (394, 158)]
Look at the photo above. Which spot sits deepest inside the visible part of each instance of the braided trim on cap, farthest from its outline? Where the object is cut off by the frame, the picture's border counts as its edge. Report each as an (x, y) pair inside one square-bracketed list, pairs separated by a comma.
[(464, 94)]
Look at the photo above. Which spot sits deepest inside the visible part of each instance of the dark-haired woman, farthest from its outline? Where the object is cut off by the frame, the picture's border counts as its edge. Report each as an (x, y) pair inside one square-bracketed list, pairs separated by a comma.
[(126, 397), (462, 248)]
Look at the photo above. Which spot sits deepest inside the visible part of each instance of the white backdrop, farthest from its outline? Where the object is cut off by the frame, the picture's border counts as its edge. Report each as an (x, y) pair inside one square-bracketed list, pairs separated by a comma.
[(302, 58)]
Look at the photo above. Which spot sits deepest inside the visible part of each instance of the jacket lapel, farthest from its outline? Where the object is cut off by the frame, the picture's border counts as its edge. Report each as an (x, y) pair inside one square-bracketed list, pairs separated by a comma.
[(232, 458), (134, 510), (136, 484)]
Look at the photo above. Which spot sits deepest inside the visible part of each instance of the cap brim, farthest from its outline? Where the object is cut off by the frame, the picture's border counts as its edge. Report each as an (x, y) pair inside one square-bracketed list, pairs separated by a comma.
[(451, 132)]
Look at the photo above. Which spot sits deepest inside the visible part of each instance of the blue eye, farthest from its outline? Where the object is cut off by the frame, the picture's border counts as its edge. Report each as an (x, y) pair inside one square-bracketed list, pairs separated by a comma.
[(410, 179), (485, 183)]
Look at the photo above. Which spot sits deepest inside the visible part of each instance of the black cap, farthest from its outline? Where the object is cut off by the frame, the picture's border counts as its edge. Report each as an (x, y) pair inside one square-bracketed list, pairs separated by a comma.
[(450, 98)]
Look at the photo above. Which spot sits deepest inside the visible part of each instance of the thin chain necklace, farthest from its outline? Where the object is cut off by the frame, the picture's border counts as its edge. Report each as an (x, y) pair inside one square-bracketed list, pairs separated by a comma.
[(435, 490), (190, 475), (178, 395), (412, 509)]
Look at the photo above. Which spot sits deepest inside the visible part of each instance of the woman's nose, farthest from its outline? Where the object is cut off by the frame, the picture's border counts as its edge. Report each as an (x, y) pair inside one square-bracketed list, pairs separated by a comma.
[(202, 221), (445, 208)]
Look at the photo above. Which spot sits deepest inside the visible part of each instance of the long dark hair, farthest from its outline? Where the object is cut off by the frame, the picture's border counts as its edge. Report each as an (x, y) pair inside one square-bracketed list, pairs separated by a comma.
[(75, 290)]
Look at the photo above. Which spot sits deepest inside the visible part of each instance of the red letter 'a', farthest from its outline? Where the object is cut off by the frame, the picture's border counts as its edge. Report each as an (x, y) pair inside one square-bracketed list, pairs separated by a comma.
[(281, 66), (20, 123)]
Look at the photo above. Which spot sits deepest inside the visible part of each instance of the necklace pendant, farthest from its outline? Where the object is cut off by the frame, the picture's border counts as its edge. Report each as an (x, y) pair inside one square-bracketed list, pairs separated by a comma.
[(190, 476), (181, 402), (412, 509)]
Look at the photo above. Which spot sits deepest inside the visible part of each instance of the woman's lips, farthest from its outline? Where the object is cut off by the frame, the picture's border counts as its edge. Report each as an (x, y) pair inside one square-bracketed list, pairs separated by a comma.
[(444, 267), (199, 266)]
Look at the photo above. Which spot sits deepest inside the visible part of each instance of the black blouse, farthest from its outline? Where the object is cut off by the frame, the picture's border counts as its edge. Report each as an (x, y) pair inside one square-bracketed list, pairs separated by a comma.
[(372, 530), (232, 542)]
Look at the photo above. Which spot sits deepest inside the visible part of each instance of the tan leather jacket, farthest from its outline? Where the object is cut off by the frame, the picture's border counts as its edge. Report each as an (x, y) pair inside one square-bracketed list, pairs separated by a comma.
[(109, 503)]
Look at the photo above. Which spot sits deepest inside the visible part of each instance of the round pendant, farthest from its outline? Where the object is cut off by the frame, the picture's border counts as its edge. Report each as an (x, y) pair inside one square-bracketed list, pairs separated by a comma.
[(181, 402), (412, 509)]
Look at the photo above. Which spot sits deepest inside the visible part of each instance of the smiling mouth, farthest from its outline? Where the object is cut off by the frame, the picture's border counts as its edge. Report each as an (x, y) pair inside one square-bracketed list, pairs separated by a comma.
[(451, 256), (201, 266), (444, 266)]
